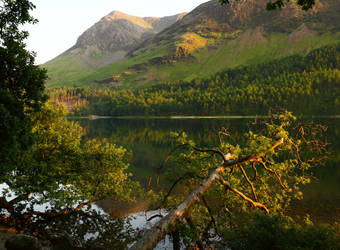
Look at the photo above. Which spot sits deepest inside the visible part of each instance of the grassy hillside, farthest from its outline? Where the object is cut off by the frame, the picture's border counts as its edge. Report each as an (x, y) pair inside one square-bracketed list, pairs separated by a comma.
[(69, 67), (245, 50), (210, 39)]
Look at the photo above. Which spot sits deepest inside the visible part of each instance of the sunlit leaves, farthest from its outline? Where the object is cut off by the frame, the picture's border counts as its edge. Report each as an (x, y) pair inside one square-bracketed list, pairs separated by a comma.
[(64, 171), (273, 177)]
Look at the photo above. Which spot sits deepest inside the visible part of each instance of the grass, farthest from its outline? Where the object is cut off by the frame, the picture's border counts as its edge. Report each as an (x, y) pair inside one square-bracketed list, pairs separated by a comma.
[(67, 68), (208, 56)]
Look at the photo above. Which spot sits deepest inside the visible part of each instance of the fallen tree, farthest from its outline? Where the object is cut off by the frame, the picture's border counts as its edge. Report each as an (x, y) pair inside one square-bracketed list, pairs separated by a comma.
[(293, 157), (164, 226)]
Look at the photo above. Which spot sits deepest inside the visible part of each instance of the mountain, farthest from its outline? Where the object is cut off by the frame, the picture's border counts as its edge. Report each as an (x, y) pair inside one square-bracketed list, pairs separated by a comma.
[(106, 42), (212, 38)]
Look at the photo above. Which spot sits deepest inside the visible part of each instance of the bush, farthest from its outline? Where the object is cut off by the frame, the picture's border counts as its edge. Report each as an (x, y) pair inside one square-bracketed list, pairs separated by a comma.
[(280, 232)]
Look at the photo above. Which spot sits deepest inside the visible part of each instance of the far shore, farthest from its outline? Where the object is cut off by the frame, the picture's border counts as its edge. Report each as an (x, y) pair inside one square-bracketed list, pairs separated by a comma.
[(96, 117)]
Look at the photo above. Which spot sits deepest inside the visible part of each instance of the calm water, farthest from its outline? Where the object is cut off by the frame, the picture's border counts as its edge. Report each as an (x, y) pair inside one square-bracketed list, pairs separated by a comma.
[(149, 141)]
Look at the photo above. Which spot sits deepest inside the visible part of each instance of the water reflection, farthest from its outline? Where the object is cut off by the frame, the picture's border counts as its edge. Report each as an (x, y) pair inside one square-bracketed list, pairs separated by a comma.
[(149, 141)]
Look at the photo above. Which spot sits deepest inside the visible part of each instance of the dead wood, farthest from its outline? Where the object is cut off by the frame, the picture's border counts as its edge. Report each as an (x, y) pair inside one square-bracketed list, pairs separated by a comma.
[(152, 236)]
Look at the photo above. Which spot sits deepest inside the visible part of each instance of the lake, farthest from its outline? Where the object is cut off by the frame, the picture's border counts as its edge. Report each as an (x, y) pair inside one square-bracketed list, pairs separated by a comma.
[(150, 142)]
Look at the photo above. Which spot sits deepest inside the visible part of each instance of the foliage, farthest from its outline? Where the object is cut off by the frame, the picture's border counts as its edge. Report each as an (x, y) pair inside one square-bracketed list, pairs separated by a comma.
[(307, 85), (21, 82), (92, 229), (269, 177), (280, 232), (63, 174)]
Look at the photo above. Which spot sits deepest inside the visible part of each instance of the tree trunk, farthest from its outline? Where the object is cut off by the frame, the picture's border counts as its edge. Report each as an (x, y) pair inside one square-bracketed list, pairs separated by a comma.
[(155, 234), (152, 236)]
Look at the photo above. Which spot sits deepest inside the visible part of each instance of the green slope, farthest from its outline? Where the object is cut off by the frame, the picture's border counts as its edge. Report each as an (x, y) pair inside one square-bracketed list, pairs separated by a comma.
[(206, 61), (106, 42), (211, 39), (69, 67)]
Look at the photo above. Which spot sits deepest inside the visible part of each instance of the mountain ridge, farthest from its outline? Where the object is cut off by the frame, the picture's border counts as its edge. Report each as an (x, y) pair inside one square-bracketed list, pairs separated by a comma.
[(107, 41), (214, 37)]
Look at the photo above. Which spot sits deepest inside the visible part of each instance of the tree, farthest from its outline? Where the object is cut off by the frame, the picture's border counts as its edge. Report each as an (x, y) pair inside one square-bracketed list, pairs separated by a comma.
[(64, 175), (21, 83), (278, 4), (265, 172), (44, 162)]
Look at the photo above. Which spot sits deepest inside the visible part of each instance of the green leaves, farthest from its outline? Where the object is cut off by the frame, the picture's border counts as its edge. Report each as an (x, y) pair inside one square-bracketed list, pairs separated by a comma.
[(280, 232), (21, 82), (66, 170), (271, 178)]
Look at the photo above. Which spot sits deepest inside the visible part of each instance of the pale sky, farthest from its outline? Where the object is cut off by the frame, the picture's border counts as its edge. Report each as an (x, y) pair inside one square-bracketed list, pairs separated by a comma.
[(62, 21)]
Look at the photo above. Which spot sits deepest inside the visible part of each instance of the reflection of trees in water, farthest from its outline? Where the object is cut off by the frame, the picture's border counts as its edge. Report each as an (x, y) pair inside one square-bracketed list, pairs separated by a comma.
[(150, 138), (150, 142), (157, 131), (89, 229)]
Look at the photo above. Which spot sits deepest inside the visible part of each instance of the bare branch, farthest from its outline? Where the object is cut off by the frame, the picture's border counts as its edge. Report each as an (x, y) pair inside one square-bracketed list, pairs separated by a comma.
[(155, 216), (81, 205), (249, 182), (211, 214), (273, 172), (254, 203), (255, 171), (170, 154), (175, 184), (220, 153)]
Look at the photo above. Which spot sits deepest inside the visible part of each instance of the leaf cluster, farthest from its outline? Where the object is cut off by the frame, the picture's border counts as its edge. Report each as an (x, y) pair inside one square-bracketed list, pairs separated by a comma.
[(21, 82), (61, 174), (269, 180)]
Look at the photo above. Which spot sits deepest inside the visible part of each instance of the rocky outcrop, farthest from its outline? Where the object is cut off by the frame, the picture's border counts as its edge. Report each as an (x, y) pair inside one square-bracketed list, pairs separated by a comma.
[(114, 32), (210, 32), (64, 241), (23, 242), (161, 23), (121, 32), (107, 41)]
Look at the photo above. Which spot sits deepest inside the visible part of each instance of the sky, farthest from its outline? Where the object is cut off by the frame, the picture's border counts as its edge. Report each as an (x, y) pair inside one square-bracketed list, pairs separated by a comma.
[(61, 22)]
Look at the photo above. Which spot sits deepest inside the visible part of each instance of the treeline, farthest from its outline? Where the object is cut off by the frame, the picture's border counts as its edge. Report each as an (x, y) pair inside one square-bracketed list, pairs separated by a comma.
[(302, 84)]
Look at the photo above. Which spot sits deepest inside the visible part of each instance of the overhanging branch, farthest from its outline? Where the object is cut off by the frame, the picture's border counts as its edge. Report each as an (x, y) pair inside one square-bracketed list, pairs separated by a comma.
[(152, 236)]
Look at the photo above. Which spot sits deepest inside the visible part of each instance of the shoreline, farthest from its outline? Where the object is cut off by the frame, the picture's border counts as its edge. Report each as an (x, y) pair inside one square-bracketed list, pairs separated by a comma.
[(193, 117)]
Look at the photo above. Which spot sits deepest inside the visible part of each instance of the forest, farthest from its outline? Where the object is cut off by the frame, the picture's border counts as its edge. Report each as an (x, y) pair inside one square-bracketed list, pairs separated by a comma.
[(302, 84)]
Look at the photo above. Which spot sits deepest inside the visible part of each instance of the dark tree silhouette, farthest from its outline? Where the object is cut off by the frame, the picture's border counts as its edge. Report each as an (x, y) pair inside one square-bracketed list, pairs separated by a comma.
[(21, 82)]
